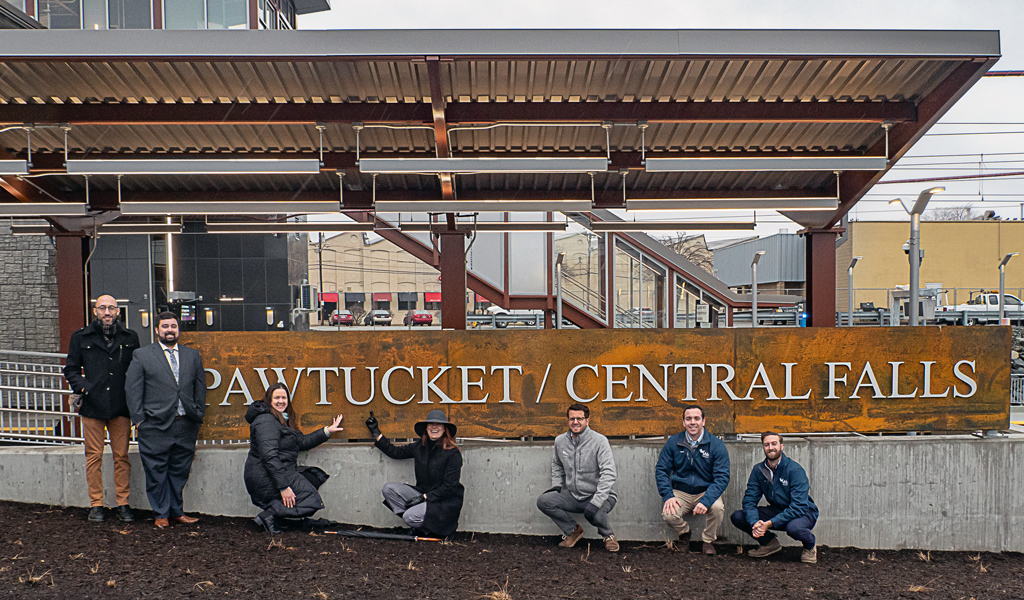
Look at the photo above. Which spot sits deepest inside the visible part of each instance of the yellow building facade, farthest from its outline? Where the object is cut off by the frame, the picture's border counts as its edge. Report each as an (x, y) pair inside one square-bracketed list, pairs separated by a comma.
[(959, 257)]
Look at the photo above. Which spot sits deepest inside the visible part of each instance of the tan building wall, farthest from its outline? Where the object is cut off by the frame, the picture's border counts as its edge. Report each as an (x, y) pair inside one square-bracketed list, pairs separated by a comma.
[(960, 255)]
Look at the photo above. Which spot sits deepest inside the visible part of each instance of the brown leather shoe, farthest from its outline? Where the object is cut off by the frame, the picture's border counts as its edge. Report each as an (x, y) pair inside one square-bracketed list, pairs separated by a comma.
[(708, 548), (161, 523), (185, 519), (684, 541), (568, 541), (611, 544)]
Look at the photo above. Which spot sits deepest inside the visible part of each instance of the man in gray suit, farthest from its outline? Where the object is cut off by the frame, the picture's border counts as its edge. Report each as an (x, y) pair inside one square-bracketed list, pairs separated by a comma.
[(166, 392)]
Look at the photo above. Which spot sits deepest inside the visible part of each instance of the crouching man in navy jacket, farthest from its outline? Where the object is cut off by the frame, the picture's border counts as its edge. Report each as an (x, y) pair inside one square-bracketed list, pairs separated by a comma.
[(692, 473), (783, 483)]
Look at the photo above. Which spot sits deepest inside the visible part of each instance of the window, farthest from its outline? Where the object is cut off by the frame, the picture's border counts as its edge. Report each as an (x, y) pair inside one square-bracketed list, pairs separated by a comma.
[(406, 300), (60, 14), (130, 14), (184, 14), (267, 15), (286, 19), (226, 14), (18, 4)]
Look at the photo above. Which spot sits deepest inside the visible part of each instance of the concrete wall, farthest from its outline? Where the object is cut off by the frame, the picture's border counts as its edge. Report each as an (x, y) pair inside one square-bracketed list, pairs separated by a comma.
[(929, 492)]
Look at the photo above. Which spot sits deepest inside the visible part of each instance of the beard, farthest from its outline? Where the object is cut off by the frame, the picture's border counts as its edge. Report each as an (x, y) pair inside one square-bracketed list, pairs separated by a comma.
[(169, 338)]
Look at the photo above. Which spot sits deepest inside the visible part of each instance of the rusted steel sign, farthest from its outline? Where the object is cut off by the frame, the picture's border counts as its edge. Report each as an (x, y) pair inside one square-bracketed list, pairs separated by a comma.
[(519, 383)]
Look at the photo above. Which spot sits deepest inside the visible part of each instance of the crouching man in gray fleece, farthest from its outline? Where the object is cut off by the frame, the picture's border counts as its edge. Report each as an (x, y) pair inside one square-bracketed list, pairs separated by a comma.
[(583, 474)]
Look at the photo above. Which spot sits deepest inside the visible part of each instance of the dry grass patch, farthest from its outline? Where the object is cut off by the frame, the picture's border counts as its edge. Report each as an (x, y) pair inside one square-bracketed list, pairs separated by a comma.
[(922, 588), (500, 594), (411, 567), (202, 586), (925, 556), (31, 578), (276, 543), (320, 595)]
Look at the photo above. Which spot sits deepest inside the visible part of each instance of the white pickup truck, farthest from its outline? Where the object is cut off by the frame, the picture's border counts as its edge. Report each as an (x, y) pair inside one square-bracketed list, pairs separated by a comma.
[(984, 302)]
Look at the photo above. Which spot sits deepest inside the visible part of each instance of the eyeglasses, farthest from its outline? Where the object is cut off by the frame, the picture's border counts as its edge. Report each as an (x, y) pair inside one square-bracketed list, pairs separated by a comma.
[(577, 419), (105, 309)]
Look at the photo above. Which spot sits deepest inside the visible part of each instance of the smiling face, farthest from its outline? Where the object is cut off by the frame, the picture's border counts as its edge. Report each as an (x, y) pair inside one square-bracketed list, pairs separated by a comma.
[(693, 421), (167, 331), (578, 421), (435, 431), (279, 400), (106, 309), (772, 446)]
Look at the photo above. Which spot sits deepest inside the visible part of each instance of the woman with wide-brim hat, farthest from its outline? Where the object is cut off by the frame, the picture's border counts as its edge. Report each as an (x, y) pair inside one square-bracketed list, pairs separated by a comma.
[(432, 505)]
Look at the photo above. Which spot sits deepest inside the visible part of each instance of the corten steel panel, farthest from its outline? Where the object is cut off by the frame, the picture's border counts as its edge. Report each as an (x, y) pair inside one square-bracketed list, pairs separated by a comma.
[(472, 390)]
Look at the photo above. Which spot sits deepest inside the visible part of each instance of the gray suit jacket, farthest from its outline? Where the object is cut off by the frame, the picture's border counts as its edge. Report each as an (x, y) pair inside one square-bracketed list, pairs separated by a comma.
[(153, 394)]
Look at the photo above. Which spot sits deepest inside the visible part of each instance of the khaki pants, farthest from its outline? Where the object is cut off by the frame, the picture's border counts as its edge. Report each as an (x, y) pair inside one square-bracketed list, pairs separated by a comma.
[(93, 431), (712, 522)]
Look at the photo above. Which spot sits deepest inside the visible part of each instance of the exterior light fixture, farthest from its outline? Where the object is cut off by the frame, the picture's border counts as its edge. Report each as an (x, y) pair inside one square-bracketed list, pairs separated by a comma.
[(286, 227), (270, 315), (752, 203), (849, 289), (482, 205), (231, 299), (487, 227), (226, 208), (194, 166), (209, 317), (766, 163), (144, 315), (138, 228), (42, 209), (1002, 287), (558, 282), (560, 164), (13, 167), (753, 287), (667, 225), (915, 255)]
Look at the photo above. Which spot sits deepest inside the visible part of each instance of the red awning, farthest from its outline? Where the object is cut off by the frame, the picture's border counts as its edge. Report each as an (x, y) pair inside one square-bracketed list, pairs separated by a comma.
[(480, 298), (382, 296), (431, 296), (329, 297)]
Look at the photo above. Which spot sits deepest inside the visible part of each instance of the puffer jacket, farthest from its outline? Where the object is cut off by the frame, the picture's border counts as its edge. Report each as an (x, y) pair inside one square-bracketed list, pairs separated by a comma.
[(438, 474), (271, 464)]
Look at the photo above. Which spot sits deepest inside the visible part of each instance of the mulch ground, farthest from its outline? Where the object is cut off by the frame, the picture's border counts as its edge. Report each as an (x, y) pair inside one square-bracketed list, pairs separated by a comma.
[(52, 552)]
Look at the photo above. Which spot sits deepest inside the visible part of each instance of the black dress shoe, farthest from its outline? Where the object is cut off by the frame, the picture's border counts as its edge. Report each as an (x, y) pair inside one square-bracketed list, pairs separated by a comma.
[(267, 522), (124, 513), (97, 514)]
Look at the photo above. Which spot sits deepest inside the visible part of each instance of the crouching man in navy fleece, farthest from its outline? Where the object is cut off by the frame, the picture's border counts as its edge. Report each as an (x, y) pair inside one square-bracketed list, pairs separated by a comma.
[(692, 473), (783, 483)]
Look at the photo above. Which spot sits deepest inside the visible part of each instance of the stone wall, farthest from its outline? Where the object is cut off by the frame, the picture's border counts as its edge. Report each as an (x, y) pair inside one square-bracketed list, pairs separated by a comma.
[(28, 292)]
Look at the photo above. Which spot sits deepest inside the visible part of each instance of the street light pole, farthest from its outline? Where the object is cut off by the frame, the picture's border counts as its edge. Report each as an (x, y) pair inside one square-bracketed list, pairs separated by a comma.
[(914, 254), (558, 288), (1002, 286), (753, 287), (849, 289)]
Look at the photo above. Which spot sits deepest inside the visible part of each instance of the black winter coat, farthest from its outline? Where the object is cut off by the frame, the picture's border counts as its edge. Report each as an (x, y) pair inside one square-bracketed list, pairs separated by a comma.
[(271, 464), (102, 384), (438, 472)]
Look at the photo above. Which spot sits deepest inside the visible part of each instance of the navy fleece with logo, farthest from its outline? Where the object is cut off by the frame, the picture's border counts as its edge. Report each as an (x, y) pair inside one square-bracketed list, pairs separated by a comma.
[(790, 507), (700, 470)]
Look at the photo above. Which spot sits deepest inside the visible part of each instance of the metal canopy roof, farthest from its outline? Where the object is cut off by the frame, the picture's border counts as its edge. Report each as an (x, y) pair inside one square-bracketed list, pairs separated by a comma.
[(625, 94)]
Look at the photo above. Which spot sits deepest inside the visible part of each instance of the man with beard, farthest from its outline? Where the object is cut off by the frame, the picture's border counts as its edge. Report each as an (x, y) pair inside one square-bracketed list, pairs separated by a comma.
[(783, 483), (166, 391), (98, 357)]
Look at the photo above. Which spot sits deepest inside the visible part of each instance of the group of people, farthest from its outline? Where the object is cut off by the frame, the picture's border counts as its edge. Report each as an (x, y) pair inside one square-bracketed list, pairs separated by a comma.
[(161, 389)]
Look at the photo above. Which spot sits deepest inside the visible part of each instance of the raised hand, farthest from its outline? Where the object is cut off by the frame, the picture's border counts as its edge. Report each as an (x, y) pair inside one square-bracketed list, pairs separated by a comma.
[(336, 425), (371, 424)]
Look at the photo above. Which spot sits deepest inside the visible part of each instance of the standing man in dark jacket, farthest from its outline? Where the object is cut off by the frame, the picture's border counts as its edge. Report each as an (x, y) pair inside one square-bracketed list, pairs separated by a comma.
[(783, 483), (582, 476), (98, 358), (166, 393), (692, 474)]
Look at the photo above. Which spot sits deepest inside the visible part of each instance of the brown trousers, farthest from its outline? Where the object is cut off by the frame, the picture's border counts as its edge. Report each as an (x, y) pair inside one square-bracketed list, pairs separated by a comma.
[(93, 430)]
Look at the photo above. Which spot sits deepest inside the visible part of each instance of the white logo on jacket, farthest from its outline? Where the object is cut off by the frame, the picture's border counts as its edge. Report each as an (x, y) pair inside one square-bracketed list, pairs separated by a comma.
[(705, 453), (783, 481)]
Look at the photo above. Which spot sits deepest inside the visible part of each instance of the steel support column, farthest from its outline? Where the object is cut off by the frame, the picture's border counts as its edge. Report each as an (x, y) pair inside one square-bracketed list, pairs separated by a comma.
[(820, 276), (71, 299), (453, 280)]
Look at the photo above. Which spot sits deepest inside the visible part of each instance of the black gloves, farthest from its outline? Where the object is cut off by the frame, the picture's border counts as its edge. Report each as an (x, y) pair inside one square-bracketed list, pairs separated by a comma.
[(371, 424), (591, 511), (557, 489)]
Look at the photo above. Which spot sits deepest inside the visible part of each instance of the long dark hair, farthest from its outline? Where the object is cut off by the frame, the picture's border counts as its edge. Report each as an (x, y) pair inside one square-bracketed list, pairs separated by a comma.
[(277, 414), (446, 440)]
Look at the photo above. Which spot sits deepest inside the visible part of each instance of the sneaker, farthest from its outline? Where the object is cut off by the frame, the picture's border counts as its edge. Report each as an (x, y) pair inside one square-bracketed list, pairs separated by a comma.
[(97, 514), (568, 541), (124, 513), (708, 548), (809, 556), (611, 544), (767, 550)]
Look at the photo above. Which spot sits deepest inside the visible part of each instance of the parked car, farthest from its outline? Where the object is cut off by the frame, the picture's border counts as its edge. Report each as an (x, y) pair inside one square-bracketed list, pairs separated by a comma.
[(342, 317), (418, 317), (983, 302), (377, 317)]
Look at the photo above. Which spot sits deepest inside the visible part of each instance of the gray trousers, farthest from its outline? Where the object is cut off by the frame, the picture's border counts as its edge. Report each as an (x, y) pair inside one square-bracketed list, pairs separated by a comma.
[(558, 505), (397, 496)]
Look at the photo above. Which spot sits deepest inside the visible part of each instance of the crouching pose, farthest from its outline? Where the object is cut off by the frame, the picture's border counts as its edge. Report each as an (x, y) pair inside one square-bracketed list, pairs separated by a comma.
[(582, 473), (272, 478), (783, 483), (433, 505)]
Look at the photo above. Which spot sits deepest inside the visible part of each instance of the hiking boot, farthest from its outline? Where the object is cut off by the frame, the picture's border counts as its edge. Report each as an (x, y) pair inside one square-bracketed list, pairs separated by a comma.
[(97, 514), (809, 555), (611, 544), (708, 548), (767, 550), (684, 541), (124, 513), (267, 522), (568, 541)]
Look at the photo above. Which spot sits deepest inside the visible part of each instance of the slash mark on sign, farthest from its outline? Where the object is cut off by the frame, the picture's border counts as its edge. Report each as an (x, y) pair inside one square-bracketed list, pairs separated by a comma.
[(542, 383)]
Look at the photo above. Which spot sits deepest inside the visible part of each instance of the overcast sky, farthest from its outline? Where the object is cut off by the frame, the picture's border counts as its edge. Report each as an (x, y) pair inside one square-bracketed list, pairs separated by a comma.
[(984, 132)]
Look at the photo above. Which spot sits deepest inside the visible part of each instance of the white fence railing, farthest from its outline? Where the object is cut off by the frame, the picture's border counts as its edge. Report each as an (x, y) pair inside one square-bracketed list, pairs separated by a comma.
[(1017, 390)]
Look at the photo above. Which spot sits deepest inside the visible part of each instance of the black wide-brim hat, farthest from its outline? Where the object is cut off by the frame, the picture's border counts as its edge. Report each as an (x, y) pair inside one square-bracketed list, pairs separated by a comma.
[(435, 416)]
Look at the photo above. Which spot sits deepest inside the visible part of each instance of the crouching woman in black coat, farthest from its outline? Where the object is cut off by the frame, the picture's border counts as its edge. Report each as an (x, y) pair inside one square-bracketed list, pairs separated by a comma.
[(271, 476), (433, 505)]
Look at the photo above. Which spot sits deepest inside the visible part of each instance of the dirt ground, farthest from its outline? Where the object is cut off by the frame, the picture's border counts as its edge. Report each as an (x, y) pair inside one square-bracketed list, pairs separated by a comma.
[(52, 552)]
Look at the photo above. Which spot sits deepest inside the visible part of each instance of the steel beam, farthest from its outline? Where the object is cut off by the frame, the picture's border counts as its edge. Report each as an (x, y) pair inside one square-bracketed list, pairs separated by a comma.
[(453, 279), (71, 291), (820, 269)]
